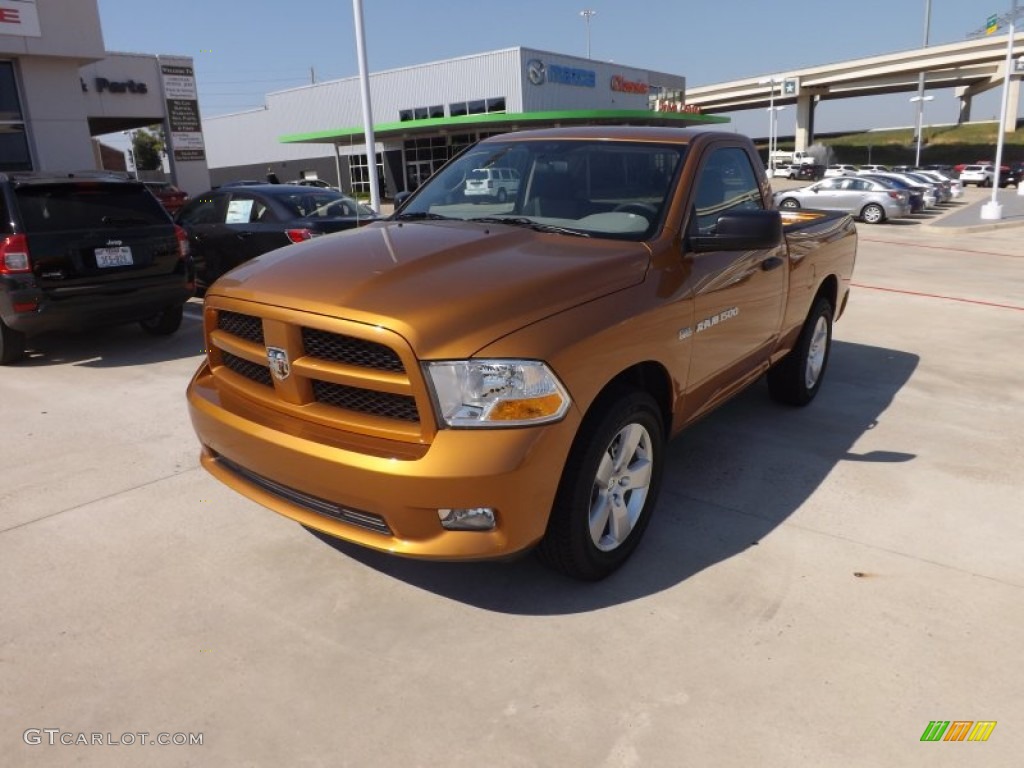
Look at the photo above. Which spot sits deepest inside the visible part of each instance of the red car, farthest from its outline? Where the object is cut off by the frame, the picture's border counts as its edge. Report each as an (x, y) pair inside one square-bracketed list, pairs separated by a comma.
[(172, 198)]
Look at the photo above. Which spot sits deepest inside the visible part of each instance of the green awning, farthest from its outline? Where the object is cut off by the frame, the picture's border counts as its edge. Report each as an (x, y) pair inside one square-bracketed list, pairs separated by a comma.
[(497, 121)]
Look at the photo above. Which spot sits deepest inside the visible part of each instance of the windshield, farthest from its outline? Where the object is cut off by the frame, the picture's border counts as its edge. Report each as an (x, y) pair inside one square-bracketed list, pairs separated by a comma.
[(614, 189)]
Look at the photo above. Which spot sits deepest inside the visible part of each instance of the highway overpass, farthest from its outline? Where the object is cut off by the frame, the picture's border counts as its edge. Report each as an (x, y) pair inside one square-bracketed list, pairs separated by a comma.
[(971, 67)]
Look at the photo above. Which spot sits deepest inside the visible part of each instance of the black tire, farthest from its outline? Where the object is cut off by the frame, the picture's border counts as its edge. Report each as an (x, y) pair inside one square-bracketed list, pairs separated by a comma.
[(585, 538), (502, 196), (789, 202), (12, 344), (873, 214), (165, 322), (796, 379)]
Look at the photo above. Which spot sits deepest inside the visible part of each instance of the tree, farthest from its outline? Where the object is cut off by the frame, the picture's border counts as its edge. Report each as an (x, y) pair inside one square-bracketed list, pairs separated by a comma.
[(147, 148)]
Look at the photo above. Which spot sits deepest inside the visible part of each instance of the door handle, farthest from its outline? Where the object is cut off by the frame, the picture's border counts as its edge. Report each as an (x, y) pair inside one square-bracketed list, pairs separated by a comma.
[(772, 262), (243, 235)]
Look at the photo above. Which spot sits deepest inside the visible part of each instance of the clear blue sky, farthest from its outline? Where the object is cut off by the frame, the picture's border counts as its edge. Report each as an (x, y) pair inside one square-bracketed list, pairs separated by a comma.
[(243, 50)]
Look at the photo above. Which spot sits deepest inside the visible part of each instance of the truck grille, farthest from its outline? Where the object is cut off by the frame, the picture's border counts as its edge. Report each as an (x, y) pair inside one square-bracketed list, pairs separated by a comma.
[(252, 371), (346, 375), (345, 349), (381, 404), (243, 326)]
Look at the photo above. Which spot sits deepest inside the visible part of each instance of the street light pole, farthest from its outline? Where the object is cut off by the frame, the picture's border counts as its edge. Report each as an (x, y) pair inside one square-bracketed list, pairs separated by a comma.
[(920, 125), (364, 83), (920, 99), (992, 209), (587, 14), (771, 81)]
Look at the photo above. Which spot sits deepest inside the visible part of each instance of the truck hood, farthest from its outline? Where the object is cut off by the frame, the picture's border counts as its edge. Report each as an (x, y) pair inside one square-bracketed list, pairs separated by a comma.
[(449, 287)]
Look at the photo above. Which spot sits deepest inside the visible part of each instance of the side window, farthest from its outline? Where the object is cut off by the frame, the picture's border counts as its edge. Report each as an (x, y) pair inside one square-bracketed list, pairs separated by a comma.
[(726, 183), (244, 209)]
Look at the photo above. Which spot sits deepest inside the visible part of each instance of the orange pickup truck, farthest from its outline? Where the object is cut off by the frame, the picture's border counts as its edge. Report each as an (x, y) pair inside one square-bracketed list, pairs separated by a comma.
[(475, 378)]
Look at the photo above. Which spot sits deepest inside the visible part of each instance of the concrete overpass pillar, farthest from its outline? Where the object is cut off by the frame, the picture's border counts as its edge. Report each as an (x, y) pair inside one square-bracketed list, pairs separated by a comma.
[(1012, 105), (965, 107), (804, 136)]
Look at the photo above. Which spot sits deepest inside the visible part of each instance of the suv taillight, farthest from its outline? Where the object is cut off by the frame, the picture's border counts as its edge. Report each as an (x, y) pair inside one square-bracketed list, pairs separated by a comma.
[(183, 247), (14, 255)]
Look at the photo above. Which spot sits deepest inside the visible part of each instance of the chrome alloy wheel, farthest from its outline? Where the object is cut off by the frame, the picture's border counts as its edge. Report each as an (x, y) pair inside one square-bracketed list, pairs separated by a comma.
[(621, 486), (816, 353)]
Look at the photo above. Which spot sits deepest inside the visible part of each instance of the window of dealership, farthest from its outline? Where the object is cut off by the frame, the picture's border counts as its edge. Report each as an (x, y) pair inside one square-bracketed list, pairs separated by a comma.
[(14, 152)]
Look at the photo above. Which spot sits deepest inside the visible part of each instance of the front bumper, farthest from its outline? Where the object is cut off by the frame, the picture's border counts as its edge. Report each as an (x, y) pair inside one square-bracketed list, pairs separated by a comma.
[(354, 490)]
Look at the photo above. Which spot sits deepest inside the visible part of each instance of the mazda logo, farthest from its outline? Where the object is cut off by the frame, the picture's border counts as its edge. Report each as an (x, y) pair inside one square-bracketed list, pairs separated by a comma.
[(535, 71)]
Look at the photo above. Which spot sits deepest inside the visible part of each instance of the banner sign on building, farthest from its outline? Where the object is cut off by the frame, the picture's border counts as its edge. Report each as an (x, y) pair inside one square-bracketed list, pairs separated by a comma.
[(186, 132), (19, 17)]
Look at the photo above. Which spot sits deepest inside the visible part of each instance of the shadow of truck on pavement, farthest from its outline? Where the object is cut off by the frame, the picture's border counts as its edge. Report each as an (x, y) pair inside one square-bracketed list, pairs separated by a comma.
[(729, 480)]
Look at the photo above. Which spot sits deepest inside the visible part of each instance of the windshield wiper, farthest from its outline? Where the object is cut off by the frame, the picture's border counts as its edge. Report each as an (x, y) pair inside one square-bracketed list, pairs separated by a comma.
[(421, 216), (522, 221)]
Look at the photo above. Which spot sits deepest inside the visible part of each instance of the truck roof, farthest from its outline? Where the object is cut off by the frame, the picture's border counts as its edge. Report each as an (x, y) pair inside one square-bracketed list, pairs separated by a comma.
[(616, 133)]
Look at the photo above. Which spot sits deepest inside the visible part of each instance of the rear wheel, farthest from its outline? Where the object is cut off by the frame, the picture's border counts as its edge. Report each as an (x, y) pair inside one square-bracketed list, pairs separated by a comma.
[(165, 322), (873, 214), (502, 196), (795, 380), (609, 487), (789, 202), (12, 344)]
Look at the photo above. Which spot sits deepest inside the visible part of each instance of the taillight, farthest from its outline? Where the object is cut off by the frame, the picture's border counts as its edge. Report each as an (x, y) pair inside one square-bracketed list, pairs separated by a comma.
[(894, 195), (14, 255), (298, 235), (183, 246)]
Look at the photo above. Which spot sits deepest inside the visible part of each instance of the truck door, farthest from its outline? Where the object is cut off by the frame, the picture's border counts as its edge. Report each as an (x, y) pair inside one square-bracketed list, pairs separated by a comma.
[(738, 295)]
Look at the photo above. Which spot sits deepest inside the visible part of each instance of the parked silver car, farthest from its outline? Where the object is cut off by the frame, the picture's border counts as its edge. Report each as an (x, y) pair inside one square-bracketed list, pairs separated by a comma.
[(865, 199)]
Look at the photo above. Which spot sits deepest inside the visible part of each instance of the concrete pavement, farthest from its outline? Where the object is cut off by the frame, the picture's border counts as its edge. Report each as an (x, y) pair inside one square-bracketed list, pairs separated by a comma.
[(817, 585)]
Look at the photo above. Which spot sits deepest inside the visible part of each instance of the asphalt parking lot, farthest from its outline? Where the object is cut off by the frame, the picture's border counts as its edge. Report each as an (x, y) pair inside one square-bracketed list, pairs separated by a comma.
[(816, 587)]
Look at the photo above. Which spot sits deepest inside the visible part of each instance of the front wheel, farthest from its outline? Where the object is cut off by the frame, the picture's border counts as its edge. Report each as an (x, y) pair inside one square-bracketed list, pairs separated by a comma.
[(609, 488), (789, 202), (165, 322), (796, 379), (873, 214)]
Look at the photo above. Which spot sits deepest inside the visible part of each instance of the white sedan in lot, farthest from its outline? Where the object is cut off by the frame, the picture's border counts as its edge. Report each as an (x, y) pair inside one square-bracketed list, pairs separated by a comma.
[(840, 170)]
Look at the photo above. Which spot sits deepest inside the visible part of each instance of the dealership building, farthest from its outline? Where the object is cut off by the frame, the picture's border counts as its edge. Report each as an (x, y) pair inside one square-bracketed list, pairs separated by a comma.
[(60, 88), (425, 114)]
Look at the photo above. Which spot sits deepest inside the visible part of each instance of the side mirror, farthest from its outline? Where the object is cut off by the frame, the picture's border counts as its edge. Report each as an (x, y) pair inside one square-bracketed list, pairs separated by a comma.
[(742, 231), (400, 198)]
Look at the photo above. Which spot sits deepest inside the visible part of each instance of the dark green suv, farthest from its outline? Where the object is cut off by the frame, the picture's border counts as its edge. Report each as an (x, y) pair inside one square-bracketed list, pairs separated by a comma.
[(78, 250)]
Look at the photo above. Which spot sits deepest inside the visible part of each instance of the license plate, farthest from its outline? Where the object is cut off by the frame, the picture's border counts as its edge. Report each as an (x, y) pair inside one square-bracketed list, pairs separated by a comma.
[(114, 257)]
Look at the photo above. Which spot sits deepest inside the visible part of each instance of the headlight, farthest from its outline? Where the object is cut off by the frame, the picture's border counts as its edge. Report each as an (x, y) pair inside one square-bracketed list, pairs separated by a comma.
[(496, 393)]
